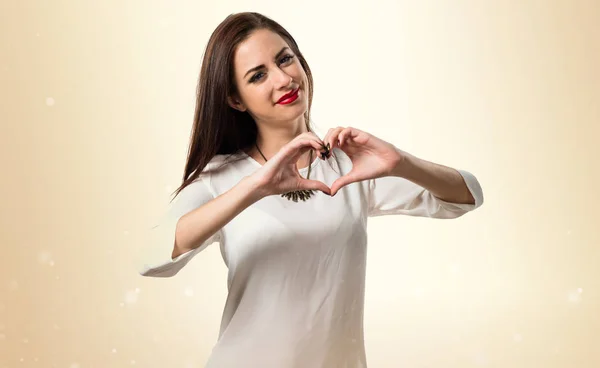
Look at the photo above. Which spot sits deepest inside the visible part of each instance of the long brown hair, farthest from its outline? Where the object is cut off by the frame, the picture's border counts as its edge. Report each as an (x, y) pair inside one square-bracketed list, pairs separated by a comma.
[(218, 128)]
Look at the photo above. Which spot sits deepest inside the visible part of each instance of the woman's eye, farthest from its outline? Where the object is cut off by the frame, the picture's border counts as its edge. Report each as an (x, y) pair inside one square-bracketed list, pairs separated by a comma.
[(286, 56), (256, 77)]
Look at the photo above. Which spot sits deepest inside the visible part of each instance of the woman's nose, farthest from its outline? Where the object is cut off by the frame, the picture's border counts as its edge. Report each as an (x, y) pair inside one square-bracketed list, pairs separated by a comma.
[(282, 79)]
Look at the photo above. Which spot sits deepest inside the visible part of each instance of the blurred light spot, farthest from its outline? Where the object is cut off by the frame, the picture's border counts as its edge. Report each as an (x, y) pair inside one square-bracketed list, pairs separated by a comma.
[(131, 296), (114, 350), (574, 296), (189, 291), (50, 101), (517, 337), (44, 257)]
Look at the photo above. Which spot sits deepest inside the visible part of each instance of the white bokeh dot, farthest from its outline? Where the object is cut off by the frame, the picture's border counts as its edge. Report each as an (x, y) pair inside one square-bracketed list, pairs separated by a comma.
[(574, 296), (44, 257), (131, 296), (50, 101), (189, 291), (517, 337)]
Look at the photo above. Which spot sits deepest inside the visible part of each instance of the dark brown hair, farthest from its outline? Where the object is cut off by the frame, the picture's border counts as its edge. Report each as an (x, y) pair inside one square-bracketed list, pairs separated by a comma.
[(218, 128)]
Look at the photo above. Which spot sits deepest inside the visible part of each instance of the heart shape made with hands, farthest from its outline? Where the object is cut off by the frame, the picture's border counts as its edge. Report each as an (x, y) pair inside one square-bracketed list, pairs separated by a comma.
[(371, 156)]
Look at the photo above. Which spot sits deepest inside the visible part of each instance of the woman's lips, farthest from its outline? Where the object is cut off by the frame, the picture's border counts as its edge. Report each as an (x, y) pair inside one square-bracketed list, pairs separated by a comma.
[(287, 99)]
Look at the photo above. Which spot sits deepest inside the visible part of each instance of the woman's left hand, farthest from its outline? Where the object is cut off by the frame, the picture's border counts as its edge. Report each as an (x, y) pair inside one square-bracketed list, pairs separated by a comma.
[(371, 157)]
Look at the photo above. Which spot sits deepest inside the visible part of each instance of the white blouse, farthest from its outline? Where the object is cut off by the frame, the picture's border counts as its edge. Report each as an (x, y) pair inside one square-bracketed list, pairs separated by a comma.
[(296, 270)]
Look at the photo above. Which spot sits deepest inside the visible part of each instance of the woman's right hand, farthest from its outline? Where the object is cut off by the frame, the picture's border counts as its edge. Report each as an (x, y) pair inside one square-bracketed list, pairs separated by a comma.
[(280, 173)]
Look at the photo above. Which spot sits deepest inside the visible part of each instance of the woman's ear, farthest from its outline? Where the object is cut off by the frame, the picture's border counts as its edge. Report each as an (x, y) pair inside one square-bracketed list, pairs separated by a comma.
[(234, 103)]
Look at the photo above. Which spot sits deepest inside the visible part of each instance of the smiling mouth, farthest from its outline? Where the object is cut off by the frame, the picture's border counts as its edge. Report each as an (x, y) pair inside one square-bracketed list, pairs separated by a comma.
[(289, 98)]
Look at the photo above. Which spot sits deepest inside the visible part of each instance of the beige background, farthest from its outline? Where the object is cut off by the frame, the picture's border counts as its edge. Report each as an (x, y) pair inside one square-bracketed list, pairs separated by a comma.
[(96, 101)]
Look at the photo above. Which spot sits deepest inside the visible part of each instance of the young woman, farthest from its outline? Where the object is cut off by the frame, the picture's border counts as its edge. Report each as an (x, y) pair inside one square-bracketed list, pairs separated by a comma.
[(288, 208)]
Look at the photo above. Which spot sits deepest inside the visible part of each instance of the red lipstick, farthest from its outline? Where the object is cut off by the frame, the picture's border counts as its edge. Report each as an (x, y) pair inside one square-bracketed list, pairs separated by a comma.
[(289, 97)]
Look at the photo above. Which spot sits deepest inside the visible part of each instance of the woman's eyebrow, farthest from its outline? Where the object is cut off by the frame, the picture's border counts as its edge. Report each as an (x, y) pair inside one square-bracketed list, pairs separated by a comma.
[(263, 65)]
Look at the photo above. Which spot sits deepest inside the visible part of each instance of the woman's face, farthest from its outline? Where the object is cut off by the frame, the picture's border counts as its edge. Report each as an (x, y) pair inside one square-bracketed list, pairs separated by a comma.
[(260, 88)]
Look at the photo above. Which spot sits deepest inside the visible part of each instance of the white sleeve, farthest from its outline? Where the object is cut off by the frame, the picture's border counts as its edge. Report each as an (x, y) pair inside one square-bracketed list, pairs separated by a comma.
[(154, 258), (391, 195)]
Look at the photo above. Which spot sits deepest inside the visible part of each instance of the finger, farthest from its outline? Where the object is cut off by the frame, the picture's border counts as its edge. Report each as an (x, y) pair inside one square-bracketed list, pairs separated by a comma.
[(315, 185), (326, 138), (344, 135), (332, 138), (341, 182), (312, 135), (299, 147), (323, 152)]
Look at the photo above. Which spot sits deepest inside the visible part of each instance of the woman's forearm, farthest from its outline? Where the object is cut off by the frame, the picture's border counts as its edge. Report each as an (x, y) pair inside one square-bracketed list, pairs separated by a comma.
[(197, 226), (443, 182)]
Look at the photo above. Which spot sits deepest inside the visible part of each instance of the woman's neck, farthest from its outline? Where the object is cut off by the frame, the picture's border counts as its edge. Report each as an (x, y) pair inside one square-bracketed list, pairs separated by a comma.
[(271, 140)]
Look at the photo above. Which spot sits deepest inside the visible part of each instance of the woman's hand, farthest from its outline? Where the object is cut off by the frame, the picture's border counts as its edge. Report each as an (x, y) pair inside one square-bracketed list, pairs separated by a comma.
[(371, 157), (280, 173)]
